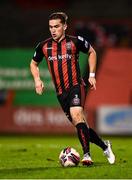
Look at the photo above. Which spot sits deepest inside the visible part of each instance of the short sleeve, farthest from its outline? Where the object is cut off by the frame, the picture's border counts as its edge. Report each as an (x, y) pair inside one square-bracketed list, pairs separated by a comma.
[(83, 44), (38, 55)]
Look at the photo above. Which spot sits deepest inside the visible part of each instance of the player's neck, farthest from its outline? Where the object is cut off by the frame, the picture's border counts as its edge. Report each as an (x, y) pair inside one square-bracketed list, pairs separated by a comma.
[(61, 38)]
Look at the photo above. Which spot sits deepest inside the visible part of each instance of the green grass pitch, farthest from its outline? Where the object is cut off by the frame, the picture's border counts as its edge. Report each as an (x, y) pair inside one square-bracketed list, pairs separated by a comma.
[(36, 157)]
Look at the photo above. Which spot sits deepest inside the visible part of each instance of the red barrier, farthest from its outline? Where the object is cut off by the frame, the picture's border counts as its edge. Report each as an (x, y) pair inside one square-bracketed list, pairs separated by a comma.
[(114, 82), (37, 120)]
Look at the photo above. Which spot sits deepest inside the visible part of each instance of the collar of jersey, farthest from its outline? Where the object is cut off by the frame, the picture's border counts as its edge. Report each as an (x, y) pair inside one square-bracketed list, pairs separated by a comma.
[(59, 41)]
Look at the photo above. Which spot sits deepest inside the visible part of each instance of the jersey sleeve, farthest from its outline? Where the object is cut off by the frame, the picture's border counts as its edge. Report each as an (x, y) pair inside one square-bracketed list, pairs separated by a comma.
[(82, 44), (38, 55)]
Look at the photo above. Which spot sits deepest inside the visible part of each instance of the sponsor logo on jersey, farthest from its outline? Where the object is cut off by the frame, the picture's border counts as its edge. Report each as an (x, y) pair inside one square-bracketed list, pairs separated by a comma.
[(60, 57)]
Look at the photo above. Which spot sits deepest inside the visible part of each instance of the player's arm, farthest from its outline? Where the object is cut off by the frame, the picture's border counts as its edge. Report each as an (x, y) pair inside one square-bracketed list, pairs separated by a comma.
[(85, 47), (92, 67), (37, 58), (39, 86)]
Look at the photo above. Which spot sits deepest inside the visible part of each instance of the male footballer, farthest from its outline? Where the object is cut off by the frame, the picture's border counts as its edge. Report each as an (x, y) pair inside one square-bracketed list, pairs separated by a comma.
[(61, 52)]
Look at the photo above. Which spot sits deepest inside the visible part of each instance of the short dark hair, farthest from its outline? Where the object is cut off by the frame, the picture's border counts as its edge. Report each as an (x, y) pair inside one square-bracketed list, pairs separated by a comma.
[(59, 15)]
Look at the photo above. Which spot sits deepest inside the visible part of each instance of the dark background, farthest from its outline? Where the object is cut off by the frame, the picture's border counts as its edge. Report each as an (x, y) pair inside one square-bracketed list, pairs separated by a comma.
[(25, 22)]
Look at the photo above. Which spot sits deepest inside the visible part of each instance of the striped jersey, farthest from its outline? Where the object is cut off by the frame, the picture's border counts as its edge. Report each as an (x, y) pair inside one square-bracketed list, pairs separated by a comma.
[(63, 60)]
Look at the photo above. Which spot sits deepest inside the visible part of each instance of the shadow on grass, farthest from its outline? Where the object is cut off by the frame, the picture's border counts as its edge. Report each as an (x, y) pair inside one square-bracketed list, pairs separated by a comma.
[(25, 172), (44, 172), (11, 170), (24, 169)]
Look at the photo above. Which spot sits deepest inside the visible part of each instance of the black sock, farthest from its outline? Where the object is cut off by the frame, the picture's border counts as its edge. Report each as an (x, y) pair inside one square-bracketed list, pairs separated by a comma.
[(83, 134), (94, 138)]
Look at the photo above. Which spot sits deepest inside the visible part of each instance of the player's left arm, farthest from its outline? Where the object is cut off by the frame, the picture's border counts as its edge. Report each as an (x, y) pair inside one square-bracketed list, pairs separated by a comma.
[(84, 46), (92, 67)]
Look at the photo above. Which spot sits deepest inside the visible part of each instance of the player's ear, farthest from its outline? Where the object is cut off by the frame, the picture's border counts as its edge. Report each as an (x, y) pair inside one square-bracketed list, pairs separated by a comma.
[(65, 26)]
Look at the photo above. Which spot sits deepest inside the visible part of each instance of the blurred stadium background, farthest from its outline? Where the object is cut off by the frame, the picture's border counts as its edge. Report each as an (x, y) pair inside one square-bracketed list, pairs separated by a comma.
[(108, 27)]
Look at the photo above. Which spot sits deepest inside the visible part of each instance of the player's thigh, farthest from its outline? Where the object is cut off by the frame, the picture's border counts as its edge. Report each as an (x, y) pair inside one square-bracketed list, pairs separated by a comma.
[(65, 105)]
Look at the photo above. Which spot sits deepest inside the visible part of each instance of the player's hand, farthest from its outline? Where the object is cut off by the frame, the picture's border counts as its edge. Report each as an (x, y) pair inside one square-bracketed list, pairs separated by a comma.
[(39, 86), (92, 82)]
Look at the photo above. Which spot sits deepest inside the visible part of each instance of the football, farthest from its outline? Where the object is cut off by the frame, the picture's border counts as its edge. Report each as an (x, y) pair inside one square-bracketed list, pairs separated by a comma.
[(69, 157)]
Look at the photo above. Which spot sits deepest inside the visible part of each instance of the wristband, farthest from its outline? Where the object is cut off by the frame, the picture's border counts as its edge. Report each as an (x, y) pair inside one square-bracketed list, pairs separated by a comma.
[(92, 75)]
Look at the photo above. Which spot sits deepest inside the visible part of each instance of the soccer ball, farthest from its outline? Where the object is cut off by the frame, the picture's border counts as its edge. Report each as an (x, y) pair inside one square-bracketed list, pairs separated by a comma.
[(69, 157)]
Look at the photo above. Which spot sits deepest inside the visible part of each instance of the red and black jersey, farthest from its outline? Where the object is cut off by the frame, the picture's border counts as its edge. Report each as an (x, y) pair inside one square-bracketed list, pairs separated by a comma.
[(63, 60)]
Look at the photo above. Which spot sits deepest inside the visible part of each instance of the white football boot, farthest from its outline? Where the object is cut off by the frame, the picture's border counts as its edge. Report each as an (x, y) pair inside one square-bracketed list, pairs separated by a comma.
[(108, 153), (87, 161)]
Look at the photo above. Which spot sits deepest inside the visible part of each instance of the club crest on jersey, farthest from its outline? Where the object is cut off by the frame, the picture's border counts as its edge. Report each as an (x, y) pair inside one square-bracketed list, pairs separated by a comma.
[(76, 100), (68, 45)]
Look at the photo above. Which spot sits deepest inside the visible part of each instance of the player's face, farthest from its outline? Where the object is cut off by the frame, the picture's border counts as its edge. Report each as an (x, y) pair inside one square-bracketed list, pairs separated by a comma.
[(57, 29)]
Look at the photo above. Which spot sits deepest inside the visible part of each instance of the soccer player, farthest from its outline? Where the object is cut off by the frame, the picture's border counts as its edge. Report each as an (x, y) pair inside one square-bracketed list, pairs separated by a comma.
[(61, 52)]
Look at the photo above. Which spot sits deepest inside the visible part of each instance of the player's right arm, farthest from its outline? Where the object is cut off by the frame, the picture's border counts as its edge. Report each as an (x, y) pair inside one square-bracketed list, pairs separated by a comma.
[(39, 86), (37, 58)]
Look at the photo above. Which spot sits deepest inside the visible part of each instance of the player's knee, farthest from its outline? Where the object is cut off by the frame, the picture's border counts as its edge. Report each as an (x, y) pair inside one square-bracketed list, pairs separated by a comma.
[(77, 115)]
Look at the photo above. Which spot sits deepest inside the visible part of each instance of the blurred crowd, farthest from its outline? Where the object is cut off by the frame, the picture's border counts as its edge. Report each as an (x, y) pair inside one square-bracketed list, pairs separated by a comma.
[(104, 23), (105, 34)]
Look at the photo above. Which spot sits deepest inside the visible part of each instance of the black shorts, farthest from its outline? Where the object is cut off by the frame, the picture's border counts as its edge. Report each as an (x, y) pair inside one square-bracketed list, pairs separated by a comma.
[(71, 98)]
